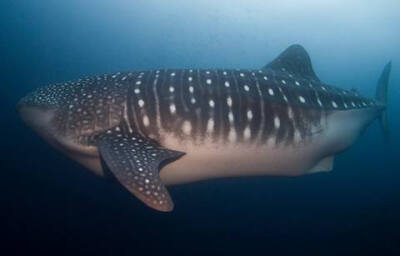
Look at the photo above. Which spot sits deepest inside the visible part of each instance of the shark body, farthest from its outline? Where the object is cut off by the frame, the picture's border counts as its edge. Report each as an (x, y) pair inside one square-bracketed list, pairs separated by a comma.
[(155, 128)]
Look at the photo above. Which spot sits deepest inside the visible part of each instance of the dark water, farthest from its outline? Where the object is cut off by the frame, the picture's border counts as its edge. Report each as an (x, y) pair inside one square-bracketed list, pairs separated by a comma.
[(52, 205)]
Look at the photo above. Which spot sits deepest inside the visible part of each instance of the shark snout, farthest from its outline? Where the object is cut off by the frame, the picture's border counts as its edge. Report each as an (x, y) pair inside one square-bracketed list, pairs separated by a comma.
[(36, 117)]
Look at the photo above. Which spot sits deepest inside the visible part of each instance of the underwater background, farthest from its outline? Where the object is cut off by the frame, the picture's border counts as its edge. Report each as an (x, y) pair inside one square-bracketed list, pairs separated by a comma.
[(51, 205)]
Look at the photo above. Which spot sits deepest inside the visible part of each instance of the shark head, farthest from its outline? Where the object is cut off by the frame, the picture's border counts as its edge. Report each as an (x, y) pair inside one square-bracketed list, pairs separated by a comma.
[(40, 109), (67, 116)]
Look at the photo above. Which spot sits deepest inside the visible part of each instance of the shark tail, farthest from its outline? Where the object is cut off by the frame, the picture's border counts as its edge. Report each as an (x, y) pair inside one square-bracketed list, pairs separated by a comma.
[(382, 97)]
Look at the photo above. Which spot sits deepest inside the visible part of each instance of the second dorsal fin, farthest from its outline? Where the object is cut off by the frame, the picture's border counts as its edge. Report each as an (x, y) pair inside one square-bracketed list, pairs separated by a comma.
[(294, 60)]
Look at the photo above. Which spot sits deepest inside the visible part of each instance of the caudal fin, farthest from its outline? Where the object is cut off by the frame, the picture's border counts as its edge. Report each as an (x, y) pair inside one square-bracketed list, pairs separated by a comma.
[(382, 97)]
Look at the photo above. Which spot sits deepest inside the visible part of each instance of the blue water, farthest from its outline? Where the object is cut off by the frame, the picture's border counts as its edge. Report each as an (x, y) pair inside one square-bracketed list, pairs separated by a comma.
[(50, 204)]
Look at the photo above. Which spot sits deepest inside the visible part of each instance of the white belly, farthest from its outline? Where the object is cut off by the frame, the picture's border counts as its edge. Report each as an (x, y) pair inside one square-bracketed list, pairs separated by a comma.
[(216, 161)]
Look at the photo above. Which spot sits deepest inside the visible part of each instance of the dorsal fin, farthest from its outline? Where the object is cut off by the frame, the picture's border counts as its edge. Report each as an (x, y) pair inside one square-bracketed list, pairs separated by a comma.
[(294, 60)]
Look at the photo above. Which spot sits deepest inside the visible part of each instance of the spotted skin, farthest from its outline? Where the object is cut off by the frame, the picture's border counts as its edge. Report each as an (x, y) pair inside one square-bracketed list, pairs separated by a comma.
[(129, 119), (135, 161), (251, 103)]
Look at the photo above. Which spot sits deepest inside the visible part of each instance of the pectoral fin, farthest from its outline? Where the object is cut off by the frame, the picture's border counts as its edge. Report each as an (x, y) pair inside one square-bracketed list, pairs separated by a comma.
[(135, 161)]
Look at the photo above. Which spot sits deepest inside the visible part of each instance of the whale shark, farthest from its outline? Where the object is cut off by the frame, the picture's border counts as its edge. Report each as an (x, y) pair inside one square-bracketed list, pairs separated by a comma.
[(150, 129)]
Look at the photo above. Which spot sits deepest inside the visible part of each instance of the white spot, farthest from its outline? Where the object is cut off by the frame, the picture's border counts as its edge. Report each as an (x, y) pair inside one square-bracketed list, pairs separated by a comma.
[(229, 101), (247, 133), (227, 84), (323, 88), (271, 92), (146, 120), (277, 122), (210, 125), (207, 72), (190, 79), (265, 78), (141, 103), (138, 82), (172, 108), (297, 136), (353, 104), (123, 79), (191, 89), (232, 135), (208, 81), (173, 74), (230, 117), (345, 105), (147, 181), (211, 103), (224, 73), (241, 74), (334, 104), (193, 100), (297, 83), (171, 89), (137, 90), (283, 82), (249, 115), (246, 87), (302, 100), (290, 113), (285, 98), (319, 102), (187, 127)]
